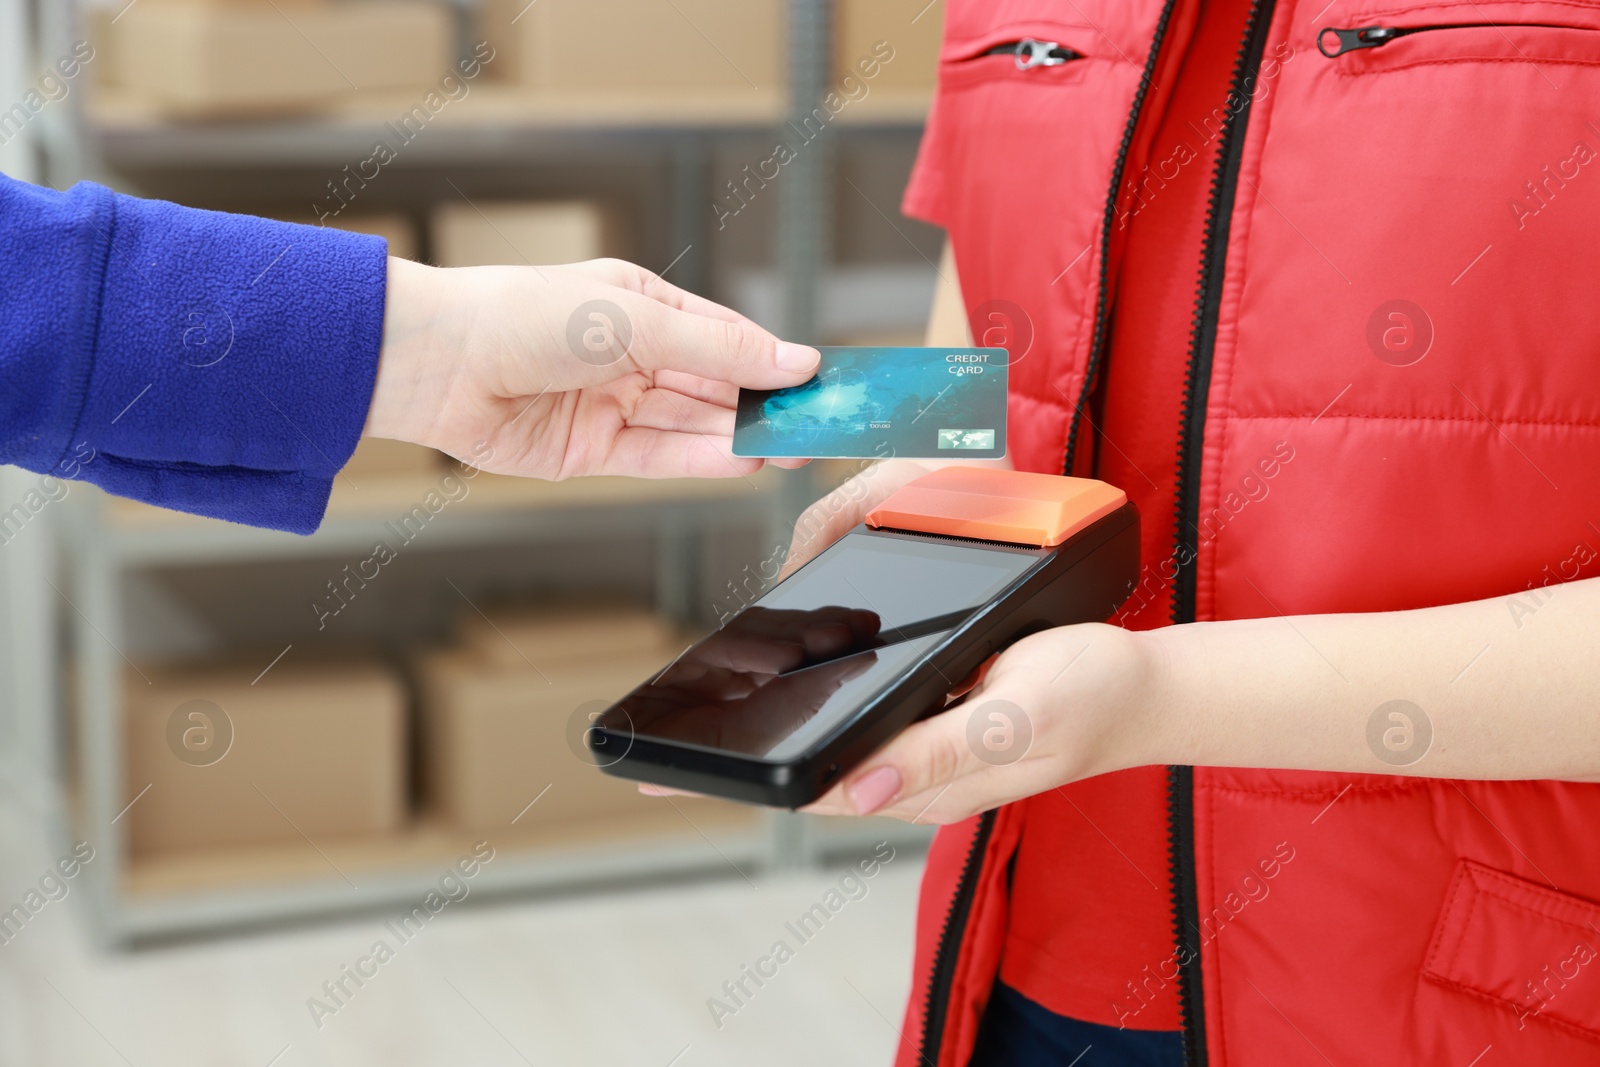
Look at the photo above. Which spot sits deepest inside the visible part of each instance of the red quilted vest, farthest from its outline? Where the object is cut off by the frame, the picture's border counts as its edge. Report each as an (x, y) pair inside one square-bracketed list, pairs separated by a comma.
[(1394, 291)]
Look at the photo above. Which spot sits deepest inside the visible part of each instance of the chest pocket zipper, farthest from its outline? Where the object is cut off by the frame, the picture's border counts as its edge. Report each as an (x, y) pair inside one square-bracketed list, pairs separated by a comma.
[(1334, 42), (1030, 53)]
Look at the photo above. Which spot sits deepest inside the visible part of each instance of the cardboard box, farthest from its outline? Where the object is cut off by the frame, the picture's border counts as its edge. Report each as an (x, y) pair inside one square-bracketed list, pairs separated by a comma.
[(580, 632), (495, 736), (380, 458), (496, 732), (209, 59), (618, 47), (395, 228), (860, 24), (308, 751), (522, 232), (101, 31)]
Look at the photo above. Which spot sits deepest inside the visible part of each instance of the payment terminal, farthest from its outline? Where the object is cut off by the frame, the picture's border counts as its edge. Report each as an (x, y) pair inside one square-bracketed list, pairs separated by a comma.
[(807, 681)]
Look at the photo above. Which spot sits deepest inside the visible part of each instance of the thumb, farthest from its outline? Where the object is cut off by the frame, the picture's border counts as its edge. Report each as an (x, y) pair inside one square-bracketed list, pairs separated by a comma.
[(739, 351), (926, 758), (944, 757)]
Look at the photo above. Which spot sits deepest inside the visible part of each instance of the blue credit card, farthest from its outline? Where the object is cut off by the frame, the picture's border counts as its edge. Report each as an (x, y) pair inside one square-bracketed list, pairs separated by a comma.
[(874, 403)]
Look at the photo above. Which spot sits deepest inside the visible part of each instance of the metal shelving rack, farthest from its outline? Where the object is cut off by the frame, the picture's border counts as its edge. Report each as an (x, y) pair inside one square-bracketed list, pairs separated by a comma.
[(104, 547), (96, 549)]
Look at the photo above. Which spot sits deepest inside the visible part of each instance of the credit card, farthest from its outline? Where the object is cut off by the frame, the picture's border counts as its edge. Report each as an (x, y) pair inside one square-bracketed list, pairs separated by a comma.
[(874, 403)]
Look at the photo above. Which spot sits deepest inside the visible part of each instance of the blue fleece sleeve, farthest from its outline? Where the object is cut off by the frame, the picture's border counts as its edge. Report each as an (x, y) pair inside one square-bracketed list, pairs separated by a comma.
[(212, 363)]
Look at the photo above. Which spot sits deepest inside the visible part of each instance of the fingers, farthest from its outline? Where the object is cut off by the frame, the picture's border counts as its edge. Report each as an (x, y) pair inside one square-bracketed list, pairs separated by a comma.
[(669, 410), (650, 790), (973, 680), (739, 352), (927, 757), (684, 332), (710, 390), (723, 394), (937, 772), (661, 409), (642, 452), (631, 276)]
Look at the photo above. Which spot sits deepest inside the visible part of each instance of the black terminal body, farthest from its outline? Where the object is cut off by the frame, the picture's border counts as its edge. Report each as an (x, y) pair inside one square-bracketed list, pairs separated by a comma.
[(805, 683)]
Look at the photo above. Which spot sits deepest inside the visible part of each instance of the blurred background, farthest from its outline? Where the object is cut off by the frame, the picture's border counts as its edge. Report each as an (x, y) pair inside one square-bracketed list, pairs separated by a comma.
[(271, 801)]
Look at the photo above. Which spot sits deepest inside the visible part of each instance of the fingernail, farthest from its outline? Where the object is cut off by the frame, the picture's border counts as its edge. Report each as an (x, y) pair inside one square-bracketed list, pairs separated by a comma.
[(874, 789), (797, 357)]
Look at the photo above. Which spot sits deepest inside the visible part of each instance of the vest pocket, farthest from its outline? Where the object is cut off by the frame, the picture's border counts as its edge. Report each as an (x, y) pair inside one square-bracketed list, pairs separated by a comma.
[(1420, 37), (1521, 944), (1039, 55)]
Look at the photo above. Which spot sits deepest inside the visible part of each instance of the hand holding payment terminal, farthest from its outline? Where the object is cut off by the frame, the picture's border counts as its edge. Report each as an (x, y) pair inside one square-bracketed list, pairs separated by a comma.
[(806, 682)]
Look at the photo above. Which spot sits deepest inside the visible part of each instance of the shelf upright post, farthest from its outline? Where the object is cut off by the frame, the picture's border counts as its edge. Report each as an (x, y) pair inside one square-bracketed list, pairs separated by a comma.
[(94, 600), (805, 206), (691, 182), (805, 214), (805, 230), (86, 569), (679, 589), (67, 155), (16, 596), (679, 535), (32, 766)]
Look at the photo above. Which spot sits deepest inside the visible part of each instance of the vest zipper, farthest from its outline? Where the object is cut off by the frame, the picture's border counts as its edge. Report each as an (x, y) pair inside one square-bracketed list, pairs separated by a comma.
[(1097, 339), (937, 1005), (1030, 53), (1191, 435), (1349, 40), (1185, 912)]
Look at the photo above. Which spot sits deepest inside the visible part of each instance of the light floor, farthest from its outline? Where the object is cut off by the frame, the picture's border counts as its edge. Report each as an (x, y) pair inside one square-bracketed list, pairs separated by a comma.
[(618, 978)]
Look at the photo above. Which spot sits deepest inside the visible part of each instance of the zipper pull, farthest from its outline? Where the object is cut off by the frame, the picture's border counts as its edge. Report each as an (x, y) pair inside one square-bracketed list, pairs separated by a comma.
[(1350, 40), (1031, 53)]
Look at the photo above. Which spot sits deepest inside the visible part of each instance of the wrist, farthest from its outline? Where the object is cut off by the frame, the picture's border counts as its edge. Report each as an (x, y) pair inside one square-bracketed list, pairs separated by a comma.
[(407, 392), (1142, 691), (1172, 679)]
